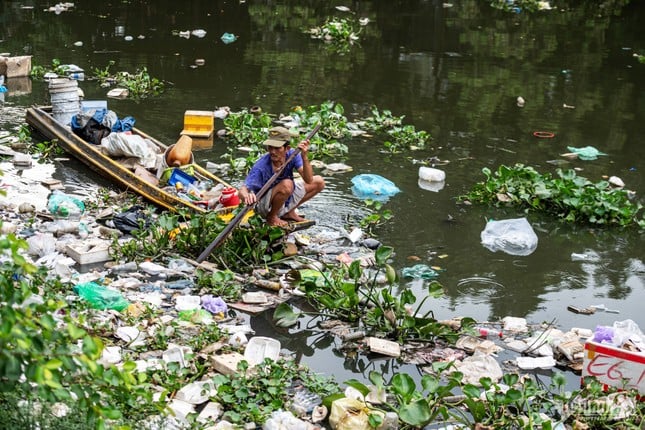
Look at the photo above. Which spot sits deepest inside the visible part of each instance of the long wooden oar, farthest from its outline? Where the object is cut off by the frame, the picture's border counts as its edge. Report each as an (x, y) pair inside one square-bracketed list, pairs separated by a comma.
[(235, 221)]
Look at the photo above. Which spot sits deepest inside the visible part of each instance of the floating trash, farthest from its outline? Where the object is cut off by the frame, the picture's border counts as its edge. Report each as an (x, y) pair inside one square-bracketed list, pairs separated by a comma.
[(228, 38), (419, 271), (370, 186), (199, 33), (587, 153)]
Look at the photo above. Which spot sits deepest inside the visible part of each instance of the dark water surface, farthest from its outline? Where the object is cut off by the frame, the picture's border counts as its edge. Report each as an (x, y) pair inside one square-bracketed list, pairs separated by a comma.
[(454, 72)]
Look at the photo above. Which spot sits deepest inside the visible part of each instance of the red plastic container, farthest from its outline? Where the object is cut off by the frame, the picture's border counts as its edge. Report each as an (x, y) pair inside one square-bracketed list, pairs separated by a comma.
[(229, 197)]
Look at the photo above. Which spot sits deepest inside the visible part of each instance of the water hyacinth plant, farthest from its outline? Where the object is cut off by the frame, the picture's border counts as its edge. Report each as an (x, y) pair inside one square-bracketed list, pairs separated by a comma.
[(339, 33), (566, 195)]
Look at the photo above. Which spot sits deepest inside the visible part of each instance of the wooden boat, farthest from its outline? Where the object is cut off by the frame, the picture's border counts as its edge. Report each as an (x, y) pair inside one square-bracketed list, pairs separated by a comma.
[(41, 120)]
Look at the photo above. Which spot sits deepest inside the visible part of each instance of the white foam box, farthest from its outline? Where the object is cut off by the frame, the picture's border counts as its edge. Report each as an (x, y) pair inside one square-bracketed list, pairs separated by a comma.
[(615, 367), (226, 364), (89, 251), (385, 347)]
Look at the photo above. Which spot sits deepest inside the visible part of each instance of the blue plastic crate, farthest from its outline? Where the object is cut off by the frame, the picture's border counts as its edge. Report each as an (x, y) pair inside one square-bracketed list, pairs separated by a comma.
[(182, 177)]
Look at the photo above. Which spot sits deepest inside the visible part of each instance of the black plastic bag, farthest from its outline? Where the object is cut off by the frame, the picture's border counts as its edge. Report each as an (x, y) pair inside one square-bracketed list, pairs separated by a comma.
[(132, 219)]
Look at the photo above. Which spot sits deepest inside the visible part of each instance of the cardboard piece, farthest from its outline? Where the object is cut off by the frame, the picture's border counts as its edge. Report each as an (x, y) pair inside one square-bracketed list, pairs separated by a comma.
[(13, 67)]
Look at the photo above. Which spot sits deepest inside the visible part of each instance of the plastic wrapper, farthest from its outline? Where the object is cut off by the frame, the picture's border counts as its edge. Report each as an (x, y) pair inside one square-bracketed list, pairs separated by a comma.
[(512, 236), (65, 206), (419, 271), (214, 305), (101, 297), (375, 187), (129, 220)]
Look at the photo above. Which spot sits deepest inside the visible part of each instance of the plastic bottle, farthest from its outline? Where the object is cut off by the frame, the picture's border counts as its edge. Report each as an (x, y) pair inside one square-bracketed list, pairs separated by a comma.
[(78, 76), (83, 230), (485, 332)]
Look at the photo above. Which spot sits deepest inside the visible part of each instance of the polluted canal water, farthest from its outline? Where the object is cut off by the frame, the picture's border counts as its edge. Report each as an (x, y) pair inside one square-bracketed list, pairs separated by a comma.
[(456, 71)]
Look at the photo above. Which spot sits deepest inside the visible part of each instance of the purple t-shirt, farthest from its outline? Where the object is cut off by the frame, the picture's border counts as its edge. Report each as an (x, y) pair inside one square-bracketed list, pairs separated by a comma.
[(262, 171)]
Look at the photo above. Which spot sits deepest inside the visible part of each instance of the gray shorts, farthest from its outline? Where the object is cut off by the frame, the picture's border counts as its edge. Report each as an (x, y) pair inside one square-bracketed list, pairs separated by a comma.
[(263, 205)]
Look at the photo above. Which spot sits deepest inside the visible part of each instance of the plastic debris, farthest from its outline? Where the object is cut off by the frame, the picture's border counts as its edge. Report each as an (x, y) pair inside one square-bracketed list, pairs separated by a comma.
[(214, 305), (101, 297), (431, 174), (528, 363), (419, 271), (187, 303), (375, 187), (228, 38), (587, 153), (478, 366), (512, 236), (65, 206), (259, 348), (279, 420), (199, 33), (515, 324)]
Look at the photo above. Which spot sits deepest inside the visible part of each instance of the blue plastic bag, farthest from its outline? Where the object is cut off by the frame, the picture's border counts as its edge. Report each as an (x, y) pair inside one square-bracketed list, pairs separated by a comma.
[(375, 187)]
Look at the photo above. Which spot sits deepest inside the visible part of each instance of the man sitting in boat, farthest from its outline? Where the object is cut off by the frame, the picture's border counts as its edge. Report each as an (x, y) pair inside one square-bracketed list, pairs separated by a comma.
[(278, 205)]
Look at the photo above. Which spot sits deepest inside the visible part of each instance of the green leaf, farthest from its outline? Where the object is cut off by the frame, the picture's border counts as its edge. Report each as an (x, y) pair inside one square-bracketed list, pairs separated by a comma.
[(417, 413), (53, 364), (382, 254), (75, 332), (403, 385), (362, 388), (285, 316)]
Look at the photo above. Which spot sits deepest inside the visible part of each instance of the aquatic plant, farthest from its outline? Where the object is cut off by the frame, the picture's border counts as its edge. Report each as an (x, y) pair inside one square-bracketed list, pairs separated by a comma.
[(251, 397), (139, 84), (378, 216), (340, 34), (567, 196)]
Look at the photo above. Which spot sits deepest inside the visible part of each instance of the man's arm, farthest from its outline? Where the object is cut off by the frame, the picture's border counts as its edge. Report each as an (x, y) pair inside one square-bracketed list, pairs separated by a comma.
[(247, 196), (306, 171)]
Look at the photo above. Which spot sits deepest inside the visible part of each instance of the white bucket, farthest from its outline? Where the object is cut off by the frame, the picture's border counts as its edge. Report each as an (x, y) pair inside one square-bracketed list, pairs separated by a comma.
[(64, 99)]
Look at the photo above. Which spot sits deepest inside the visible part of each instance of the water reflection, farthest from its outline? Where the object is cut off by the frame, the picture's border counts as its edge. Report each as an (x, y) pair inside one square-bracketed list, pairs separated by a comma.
[(455, 72)]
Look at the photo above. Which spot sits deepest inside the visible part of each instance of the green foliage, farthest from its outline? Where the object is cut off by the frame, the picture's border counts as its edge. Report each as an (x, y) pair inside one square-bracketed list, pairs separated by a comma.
[(569, 197), (38, 71), (251, 396), (245, 247), (377, 217), (46, 355), (349, 294), (246, 131), (221, 284), (340, 34), (402, 136), (514, 403), (139, 84)]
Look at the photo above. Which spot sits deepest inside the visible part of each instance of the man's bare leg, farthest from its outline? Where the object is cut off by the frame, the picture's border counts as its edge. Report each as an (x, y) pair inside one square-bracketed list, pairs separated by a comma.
[(279, 194), (315, 187)]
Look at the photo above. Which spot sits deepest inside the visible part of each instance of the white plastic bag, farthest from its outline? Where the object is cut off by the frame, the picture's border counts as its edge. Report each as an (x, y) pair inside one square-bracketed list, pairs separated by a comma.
[(512, 236), (131, 145)]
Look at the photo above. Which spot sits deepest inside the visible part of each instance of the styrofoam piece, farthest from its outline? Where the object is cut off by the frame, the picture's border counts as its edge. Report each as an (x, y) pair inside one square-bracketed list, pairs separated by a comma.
[(196, 393), (430, 174), (527, 363), (188, 303), (259, 348)]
